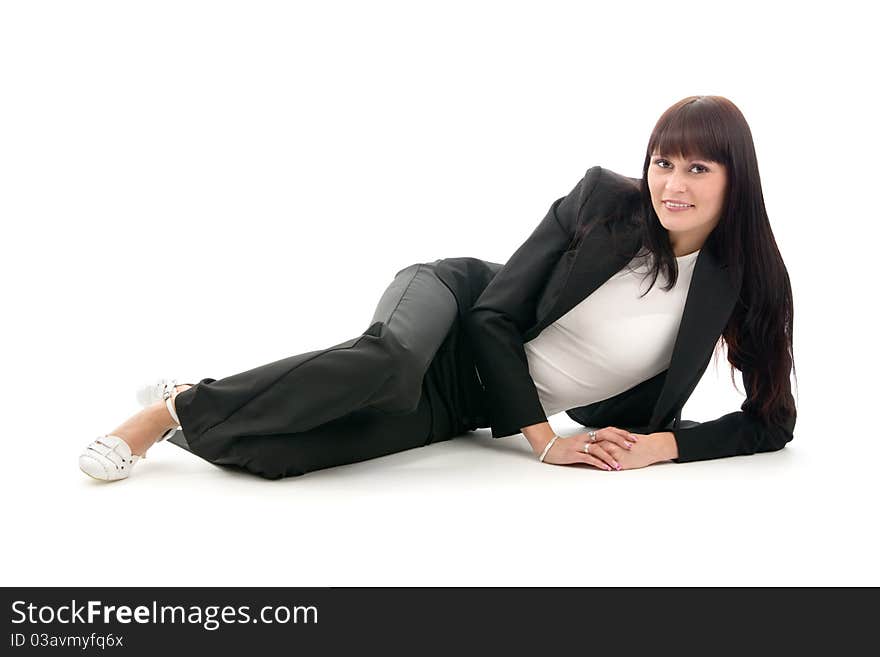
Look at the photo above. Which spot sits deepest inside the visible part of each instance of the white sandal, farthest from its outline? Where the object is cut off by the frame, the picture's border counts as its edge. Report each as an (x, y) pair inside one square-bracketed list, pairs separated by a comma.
[(109, 457)]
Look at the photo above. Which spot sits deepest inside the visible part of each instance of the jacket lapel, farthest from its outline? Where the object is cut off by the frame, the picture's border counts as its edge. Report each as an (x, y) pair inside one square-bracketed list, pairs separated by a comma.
[(710, 300)]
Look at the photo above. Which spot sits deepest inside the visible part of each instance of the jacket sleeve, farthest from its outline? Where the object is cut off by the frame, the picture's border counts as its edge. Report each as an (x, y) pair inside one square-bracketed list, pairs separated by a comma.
[(734, 434), (506, 309)]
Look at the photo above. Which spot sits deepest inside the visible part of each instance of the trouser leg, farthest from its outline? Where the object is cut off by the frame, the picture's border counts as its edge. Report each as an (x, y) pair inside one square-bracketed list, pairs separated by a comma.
[(332, 406), (361, 435)]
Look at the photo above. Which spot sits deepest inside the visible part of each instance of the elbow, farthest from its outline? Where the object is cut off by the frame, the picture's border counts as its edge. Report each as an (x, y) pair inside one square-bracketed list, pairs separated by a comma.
[(779, 435), (785, 429), (482, 320), (481, 312), (474, 321)]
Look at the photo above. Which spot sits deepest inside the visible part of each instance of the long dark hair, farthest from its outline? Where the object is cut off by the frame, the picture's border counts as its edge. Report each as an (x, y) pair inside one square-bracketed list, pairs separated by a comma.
[(760, 332)]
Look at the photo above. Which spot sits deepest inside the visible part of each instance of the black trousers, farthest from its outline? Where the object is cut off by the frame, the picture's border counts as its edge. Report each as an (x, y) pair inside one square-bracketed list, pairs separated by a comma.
[(353, 401)]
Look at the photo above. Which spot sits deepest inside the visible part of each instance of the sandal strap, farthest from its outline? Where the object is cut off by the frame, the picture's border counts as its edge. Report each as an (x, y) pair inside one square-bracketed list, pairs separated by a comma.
[(116, 453), (166, 388), (169, 403), (108, 457), (168, 394)]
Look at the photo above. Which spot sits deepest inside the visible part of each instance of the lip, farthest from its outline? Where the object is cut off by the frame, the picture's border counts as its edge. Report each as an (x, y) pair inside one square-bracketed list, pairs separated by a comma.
[(670, 209)]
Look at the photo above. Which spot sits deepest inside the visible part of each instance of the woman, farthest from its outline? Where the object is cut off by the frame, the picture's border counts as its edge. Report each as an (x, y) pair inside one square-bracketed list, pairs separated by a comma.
[(572, 321)]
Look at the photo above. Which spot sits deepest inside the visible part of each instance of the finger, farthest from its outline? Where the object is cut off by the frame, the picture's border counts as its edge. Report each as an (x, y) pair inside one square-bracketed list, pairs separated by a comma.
[(592, 460), (613, 449), (599, 452), (631, 437), (617, 436)]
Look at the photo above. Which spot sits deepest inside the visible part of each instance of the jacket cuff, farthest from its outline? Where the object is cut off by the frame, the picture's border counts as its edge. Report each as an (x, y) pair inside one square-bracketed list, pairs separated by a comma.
[(513, 426), (690, 445)]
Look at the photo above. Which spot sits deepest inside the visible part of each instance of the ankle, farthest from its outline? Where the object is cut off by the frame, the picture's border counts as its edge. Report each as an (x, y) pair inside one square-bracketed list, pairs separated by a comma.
[(162, 417), (171, 406)]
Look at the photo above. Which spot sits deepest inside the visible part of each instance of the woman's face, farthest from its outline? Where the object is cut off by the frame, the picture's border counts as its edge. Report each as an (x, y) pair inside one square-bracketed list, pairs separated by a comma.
[(701, 184)]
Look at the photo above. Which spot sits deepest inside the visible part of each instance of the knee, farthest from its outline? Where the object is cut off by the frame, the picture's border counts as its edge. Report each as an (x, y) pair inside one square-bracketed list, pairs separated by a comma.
[(409, 269)]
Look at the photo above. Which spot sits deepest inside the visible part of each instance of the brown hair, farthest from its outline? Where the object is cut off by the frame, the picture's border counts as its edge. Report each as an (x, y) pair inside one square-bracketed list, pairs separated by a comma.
[(760, 332)]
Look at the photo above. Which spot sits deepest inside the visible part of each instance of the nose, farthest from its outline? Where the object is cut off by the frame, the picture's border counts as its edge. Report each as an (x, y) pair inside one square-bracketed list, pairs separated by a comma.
[(675, 183)]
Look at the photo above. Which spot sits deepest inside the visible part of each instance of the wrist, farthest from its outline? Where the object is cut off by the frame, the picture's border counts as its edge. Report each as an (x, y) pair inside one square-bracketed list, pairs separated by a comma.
[(666, 446), (548, 447), (542, 446), (538, 436)]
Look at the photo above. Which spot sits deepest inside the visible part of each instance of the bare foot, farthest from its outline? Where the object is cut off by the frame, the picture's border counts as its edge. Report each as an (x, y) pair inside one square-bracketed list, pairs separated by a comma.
[(143, 429)]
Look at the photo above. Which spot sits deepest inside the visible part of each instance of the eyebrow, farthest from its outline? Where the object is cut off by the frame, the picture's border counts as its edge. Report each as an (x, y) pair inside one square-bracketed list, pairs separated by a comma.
[(704, 159), (697, 159)]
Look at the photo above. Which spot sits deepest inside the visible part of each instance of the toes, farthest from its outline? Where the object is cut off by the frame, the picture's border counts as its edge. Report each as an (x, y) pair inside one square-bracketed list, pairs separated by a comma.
[(93, 467)]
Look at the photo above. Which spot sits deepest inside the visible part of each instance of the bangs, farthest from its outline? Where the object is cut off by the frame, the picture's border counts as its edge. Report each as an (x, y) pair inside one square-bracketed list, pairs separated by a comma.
[(690, 132)]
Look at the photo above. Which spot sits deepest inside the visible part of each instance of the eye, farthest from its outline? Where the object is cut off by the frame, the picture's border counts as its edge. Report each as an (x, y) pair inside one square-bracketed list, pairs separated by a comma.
[(660, 159)]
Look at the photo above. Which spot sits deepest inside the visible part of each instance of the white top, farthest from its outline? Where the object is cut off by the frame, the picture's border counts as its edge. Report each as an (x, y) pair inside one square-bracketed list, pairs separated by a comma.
[(612, 340)]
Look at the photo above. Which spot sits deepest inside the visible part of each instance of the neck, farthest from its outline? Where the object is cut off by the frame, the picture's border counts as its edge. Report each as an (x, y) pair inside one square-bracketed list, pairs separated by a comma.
[(679, 253), (683, 245)]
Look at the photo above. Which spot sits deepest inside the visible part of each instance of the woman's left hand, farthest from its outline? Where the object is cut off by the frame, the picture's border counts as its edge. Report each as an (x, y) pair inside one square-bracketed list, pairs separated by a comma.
[(644, 451)]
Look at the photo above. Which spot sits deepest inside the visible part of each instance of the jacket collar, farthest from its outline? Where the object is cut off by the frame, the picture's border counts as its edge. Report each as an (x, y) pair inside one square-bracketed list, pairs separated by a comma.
[(710, 300)]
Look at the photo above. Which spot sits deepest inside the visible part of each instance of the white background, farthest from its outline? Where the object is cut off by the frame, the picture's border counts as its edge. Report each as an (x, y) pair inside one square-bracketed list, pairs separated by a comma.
[(191, 189)]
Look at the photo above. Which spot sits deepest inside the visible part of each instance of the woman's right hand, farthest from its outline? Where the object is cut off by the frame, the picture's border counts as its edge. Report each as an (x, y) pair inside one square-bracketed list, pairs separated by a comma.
[(571, 449)]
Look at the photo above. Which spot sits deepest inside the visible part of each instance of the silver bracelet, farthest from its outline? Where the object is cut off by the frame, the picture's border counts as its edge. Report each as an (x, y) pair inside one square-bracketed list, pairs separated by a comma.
[(547, 448)]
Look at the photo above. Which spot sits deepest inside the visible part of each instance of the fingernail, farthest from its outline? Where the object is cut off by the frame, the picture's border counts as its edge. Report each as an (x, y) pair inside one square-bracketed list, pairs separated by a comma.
[(633, 437), (628, 445), (617, 465)]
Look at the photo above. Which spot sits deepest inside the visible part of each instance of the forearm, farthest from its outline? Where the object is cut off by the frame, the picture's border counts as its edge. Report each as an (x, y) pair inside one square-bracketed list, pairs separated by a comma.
[(511, 399), (733, 434), (538, 435)]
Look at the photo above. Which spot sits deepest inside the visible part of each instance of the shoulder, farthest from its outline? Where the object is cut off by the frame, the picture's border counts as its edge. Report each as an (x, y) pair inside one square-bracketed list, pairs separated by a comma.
[(610, 193), (605, 181)]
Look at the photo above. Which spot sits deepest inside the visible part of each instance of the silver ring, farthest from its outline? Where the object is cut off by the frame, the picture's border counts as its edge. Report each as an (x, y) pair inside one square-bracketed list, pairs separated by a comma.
[(587, 447), (592, 435)]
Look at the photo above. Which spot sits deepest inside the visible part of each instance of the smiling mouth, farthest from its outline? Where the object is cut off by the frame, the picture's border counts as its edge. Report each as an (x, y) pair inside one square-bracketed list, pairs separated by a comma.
[(677, 206)]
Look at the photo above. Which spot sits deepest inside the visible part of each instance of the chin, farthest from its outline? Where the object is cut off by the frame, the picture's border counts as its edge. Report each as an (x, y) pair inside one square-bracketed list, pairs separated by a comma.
[(674, 224)]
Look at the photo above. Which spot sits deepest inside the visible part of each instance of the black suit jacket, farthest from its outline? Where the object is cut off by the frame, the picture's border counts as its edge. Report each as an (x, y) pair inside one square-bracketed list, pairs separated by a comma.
[(545, 278)]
